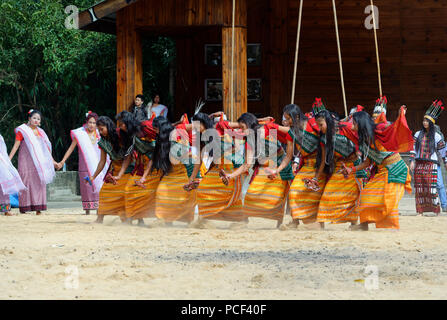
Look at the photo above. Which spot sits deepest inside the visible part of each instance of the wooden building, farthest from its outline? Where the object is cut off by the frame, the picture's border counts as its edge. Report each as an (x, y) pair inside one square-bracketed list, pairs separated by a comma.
[(412, 38)]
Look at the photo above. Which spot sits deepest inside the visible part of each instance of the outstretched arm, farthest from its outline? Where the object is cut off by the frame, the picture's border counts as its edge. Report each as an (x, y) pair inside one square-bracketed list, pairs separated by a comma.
[(68, 153), (125, 165), (146, 171)]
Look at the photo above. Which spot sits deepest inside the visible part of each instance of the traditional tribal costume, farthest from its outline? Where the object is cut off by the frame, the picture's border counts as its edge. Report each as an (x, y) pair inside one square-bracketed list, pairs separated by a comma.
[(10, 182), (89, 156), (266, 198), (341, 194), (379, 199), (215, 200), (172, 202), (427, 162), (303, 201), (140, 202), (35, 168), (112, 196)]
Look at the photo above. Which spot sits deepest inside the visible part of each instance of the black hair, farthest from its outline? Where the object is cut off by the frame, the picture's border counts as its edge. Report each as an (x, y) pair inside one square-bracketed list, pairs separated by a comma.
[(366, 130), (329, 145), (133, 127), (430, 135), (31, 113), (161, 159), (140, 96), (154, 95), (204, 119), (298, 118), (252, 123), (112, 135)]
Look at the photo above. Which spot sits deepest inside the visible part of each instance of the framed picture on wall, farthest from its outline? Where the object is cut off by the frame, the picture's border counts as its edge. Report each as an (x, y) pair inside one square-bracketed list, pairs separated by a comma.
[(213, 90), (254, 89), (213, 54), (254, 54)]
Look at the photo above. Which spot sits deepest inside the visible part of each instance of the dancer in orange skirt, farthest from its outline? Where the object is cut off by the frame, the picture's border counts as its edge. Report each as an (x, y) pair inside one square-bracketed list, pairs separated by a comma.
[(341, 194), (173, 157), (380, 197), (308, 184), (267, 194), (112, 194), (216, 201), (140, 188)]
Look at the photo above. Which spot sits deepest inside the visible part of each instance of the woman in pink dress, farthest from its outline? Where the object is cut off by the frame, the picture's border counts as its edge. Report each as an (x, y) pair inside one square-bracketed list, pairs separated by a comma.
[(10, 182), (36, 164), (86, 138)]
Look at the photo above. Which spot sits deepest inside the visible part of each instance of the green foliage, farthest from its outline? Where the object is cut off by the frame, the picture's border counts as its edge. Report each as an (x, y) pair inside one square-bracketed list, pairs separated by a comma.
[(62, 72)]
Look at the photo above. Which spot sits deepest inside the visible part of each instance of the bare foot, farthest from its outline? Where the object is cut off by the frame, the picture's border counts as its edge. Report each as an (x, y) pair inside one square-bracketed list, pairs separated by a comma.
[(293, 225), (100, 218), (360, 227), (38, 213), (9, 214), (140, 222), (201, 224)]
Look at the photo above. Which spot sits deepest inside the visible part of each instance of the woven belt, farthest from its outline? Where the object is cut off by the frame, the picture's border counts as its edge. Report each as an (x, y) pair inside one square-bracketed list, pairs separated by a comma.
[(391, 159)]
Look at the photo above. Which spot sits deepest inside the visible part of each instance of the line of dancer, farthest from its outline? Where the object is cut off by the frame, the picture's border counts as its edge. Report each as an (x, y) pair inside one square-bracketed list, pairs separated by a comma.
[(320, 168)]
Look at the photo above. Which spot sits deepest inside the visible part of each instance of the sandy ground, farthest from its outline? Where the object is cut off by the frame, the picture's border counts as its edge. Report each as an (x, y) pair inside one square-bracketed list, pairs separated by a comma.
[(40, 256)]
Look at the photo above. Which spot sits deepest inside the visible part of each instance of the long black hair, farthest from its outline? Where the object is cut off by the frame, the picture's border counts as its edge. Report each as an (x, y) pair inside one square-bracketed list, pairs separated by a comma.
[(298, 117), (161, 159), (205, 119), (133, 127), (366, 130), (329, 145), (252, 123), (112, 135), (430, 135)]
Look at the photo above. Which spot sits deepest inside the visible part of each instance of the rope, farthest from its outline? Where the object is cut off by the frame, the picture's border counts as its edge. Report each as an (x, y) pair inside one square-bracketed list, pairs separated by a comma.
[(232, 63), (377, 48), (292, 100), (339, 58)]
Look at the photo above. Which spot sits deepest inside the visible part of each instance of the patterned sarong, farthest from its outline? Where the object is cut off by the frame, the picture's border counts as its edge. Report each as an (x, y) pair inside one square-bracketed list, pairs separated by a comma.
[(425, 181)]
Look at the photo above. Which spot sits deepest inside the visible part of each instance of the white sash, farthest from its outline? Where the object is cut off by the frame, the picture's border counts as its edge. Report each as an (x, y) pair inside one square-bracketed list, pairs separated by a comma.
[(40, 150), (92, 155), (10, 181)]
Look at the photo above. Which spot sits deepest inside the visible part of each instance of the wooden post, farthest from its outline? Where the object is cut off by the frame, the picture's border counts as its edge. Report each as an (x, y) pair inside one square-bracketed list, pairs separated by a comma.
[(129, 73), (234, 59)]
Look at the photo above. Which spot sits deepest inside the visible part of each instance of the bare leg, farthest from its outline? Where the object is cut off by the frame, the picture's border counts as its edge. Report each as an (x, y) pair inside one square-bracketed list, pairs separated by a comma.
[(87, 211), (140, 222), (322, 225), (360, 227)]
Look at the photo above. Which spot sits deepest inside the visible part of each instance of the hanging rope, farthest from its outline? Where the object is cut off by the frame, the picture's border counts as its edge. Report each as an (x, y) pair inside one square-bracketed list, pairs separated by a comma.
[(377, 48), (298, 32), (232, 117), (339, 58)]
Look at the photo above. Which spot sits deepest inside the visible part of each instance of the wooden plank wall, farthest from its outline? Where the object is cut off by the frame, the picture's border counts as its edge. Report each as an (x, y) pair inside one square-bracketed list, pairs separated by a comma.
[(129, 75), (412, 45)]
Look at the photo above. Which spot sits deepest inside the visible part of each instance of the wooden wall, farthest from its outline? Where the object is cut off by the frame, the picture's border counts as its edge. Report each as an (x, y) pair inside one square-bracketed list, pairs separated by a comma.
[(412, 45)]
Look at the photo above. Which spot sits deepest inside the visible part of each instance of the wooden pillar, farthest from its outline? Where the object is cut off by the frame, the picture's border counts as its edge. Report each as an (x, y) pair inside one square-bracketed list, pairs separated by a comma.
[(129, 73), (239, 54)]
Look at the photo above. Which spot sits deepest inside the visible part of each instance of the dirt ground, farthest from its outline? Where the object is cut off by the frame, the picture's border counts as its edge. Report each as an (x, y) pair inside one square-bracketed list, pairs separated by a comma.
[(63, 255)]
